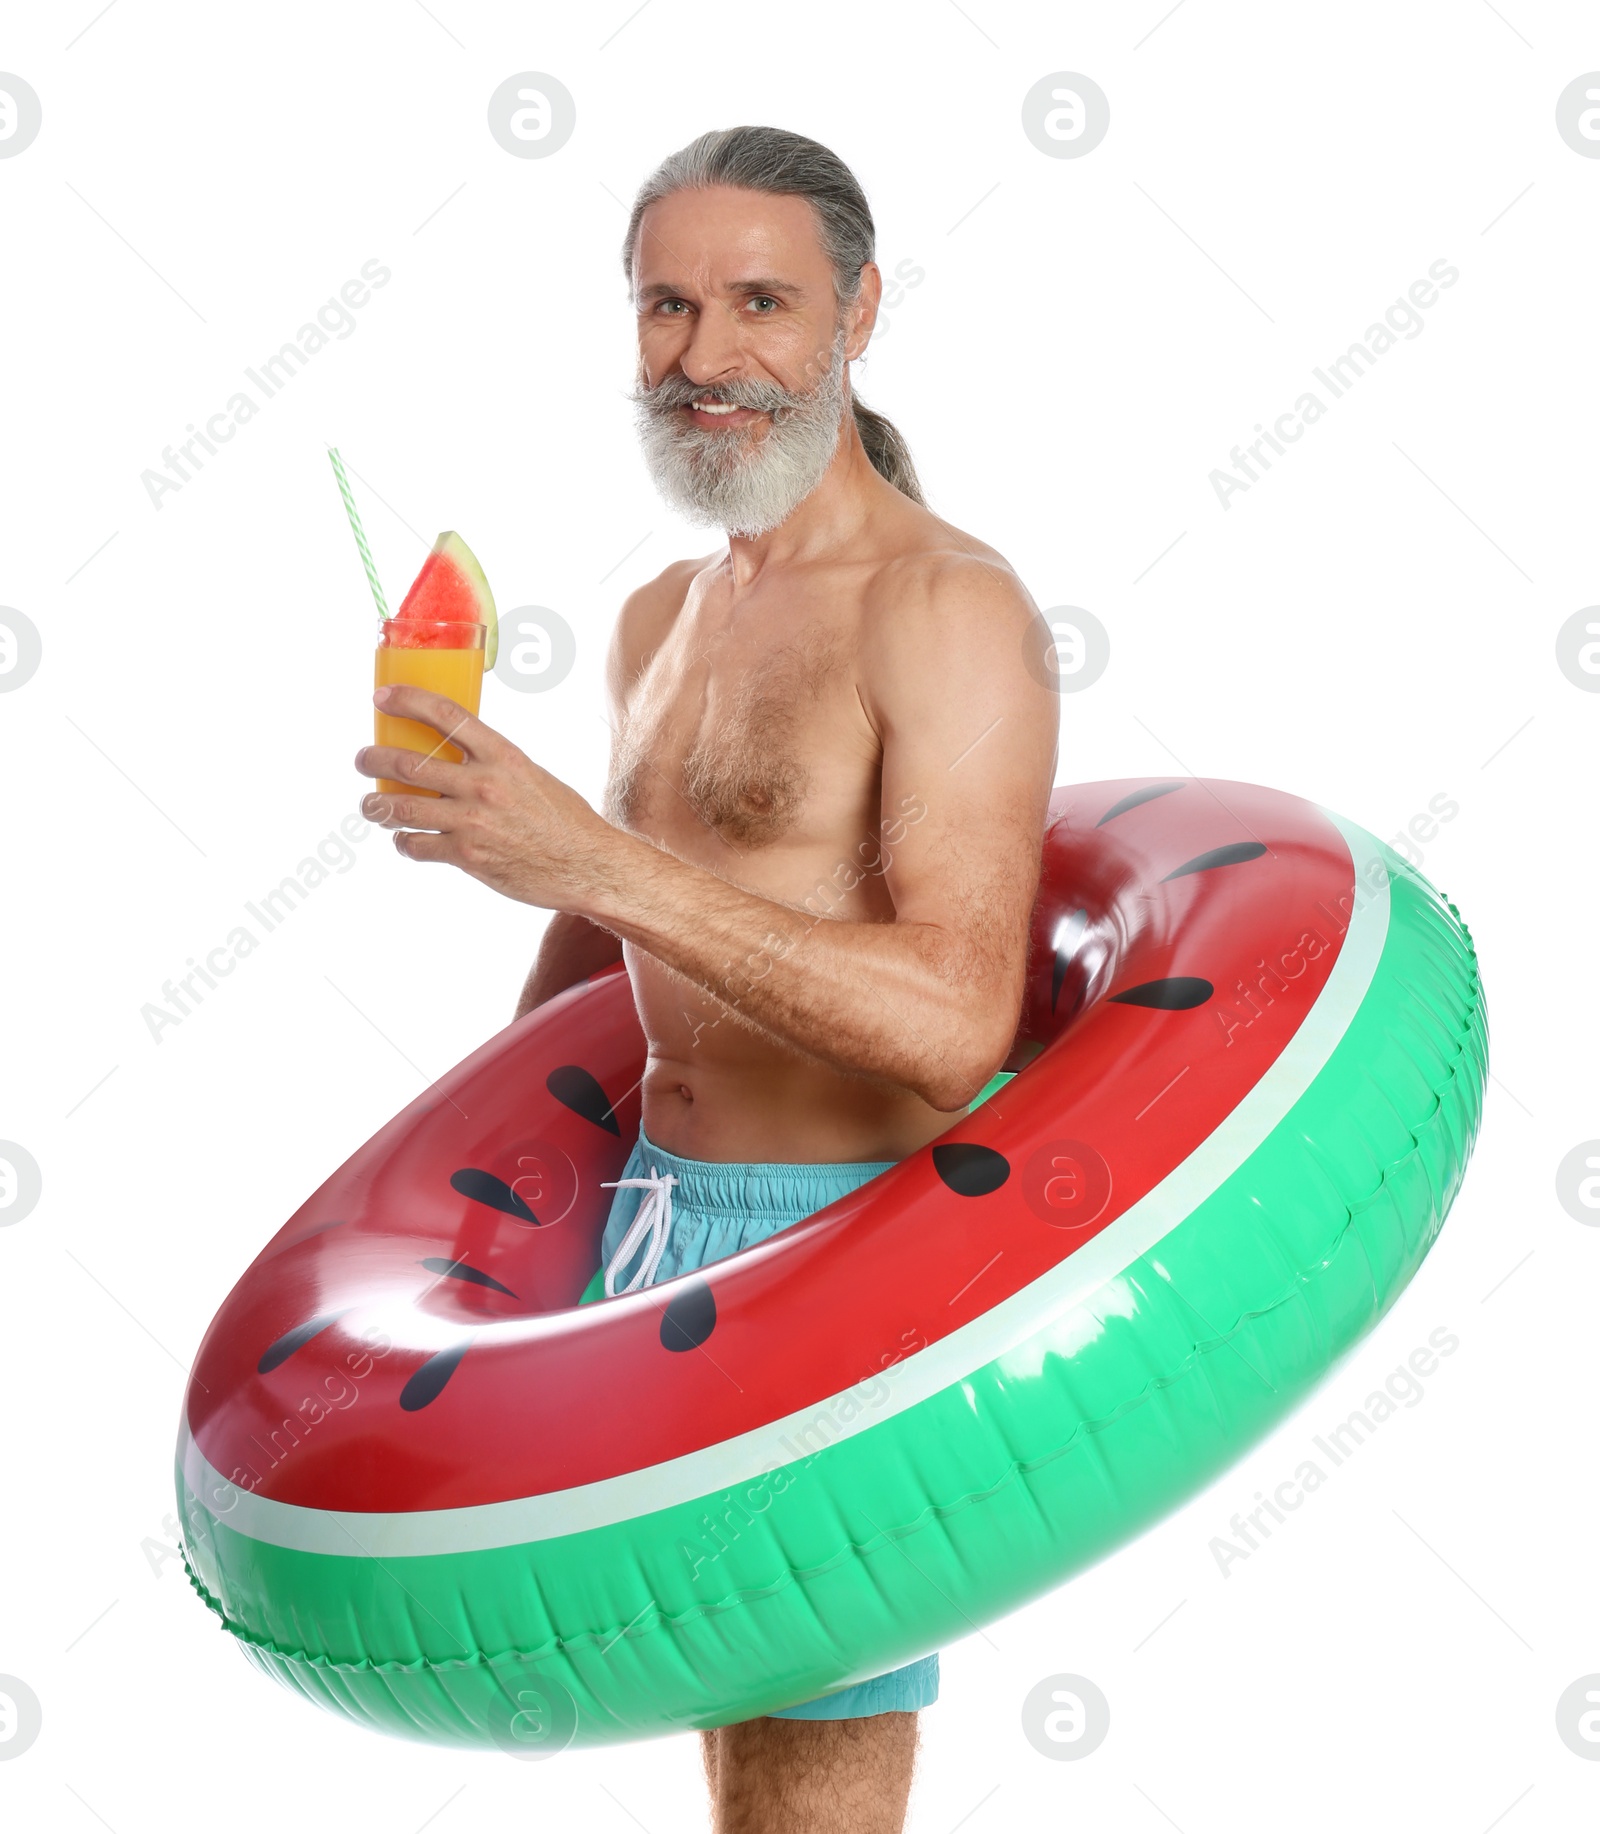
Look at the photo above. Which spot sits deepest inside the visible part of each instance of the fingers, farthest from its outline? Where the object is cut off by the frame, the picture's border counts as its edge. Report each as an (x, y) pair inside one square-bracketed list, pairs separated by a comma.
[(479, 742), (415, 846), (385, 809), (399, 764)]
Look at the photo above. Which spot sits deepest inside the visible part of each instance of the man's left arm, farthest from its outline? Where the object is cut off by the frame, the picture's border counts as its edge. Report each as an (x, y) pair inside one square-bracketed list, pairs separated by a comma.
[(927, 1002)]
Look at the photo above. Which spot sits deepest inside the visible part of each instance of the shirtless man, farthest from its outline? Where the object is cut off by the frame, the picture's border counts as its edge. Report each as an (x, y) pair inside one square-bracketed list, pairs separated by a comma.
[(822, 827)]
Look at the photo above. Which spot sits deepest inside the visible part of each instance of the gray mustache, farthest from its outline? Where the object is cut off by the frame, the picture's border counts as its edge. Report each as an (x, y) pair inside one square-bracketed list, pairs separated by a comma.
[(673, 392)]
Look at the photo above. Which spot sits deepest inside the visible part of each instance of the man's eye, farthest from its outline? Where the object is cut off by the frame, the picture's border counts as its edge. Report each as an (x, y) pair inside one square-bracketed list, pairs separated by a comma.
[(763, 299), (662, 304)]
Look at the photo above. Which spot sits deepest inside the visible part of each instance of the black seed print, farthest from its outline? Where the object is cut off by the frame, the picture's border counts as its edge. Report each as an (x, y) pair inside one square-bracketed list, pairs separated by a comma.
[(1230, 855), (459, 1270), (1134, 797), (1174, 995), (690, 1317), (291, 1341), (484, 1188), (971, 1170), (424, 1384), (575, 1088)]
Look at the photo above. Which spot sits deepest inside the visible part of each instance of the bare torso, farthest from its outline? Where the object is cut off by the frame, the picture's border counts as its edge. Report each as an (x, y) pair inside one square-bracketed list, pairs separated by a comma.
[(746, 746)]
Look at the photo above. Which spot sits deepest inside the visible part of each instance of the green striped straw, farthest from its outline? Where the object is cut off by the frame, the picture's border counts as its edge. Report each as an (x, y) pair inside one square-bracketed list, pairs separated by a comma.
[(357, 531)]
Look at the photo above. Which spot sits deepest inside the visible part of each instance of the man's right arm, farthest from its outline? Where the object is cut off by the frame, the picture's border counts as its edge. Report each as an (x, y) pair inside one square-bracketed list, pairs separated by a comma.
[(572, 947)]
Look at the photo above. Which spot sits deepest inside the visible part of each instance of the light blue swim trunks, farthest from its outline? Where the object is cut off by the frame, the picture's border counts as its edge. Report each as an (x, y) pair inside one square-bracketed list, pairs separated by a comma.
[(713, 1208)]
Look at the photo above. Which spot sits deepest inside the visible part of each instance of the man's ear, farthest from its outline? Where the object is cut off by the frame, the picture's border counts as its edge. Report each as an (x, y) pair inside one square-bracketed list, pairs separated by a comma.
[(865, 311)]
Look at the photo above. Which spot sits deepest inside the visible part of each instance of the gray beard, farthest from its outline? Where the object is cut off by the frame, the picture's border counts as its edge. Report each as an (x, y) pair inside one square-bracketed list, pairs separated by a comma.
[(745, 480)]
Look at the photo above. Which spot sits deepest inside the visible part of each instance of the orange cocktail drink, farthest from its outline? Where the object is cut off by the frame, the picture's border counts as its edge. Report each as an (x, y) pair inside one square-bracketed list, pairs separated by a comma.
[(442, 655)]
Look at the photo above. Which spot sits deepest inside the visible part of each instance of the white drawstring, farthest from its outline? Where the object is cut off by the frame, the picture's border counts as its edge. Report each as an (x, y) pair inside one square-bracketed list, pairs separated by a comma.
[(653, 1219)]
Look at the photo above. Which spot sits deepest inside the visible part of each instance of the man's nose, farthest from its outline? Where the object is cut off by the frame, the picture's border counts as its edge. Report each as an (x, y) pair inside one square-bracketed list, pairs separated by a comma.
[(715, 350)]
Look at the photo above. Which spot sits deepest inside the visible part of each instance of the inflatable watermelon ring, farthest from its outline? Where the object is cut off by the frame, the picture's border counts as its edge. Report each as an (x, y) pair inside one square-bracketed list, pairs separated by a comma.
[(423, 1487)]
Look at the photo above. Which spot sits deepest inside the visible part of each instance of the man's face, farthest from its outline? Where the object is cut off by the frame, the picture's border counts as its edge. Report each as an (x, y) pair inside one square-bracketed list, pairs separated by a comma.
[(740, 394)]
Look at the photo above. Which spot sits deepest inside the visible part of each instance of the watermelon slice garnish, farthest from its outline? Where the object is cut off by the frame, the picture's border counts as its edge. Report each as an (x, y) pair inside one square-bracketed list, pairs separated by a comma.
[(452, 589)]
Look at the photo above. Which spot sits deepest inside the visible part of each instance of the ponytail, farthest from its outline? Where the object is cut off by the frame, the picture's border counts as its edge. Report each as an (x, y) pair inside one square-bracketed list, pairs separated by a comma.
[(888, 451)]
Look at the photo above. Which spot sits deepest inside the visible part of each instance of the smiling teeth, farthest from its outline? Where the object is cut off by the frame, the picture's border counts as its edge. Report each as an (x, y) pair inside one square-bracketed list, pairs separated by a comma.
[(715, 407)]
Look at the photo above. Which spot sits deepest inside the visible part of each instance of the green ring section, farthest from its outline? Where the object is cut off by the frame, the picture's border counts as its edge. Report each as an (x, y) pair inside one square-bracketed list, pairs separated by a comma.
[(868, 1551)]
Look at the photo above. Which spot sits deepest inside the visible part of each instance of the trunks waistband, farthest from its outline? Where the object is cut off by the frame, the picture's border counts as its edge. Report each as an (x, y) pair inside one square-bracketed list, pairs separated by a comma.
[(753, 1187)]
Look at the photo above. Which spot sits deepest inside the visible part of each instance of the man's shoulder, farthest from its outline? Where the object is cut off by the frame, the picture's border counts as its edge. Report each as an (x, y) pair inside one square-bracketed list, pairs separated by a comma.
[(946, 580), (646, 617), (949, 621), (659, 600)]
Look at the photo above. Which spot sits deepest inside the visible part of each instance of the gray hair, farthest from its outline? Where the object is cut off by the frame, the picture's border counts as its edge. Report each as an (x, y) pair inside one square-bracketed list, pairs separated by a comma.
[(782, 164)]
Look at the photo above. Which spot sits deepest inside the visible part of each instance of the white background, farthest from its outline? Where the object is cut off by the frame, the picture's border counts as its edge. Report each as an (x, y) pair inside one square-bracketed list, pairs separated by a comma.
[(1372, 625)]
